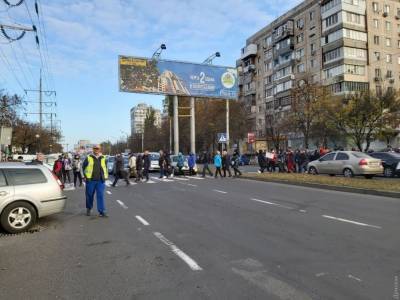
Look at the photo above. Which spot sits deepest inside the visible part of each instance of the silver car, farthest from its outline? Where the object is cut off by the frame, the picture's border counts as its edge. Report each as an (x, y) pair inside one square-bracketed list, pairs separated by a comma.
[(27, 192), (347, 163)]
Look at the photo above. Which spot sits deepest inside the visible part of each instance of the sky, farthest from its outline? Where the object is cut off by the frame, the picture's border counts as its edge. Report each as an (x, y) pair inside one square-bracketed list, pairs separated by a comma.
[(79, 44)]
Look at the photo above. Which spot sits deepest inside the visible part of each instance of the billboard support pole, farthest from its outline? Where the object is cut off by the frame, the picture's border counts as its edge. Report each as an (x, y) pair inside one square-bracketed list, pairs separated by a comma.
[(192, 127), (176, 126), (227, 125)]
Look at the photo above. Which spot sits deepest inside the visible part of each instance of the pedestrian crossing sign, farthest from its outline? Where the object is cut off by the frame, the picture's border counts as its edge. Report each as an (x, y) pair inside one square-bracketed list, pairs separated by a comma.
[(222, 138)]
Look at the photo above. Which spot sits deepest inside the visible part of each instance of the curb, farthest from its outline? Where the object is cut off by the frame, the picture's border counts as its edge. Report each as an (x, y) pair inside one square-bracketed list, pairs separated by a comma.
[(330, 187)]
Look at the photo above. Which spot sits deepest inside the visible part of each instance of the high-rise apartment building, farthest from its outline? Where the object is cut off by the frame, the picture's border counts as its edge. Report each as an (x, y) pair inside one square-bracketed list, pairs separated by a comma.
[(138, 116), (348, 45)]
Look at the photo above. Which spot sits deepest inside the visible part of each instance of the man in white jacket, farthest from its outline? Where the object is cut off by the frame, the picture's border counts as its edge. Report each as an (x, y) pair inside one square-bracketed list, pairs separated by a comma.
[(132, 166)]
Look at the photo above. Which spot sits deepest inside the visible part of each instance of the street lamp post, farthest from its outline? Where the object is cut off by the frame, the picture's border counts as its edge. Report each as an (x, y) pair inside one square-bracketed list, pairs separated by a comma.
[(37, 136)]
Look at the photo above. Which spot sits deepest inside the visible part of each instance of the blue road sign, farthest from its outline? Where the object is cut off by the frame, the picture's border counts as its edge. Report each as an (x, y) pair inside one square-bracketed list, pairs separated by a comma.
[(222, 139)]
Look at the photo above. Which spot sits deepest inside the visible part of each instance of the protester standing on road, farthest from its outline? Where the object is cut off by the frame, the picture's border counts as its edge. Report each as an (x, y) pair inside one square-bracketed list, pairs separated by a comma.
[(168, 168), (57, 168), (76, 168), (180, 163), (235, 163), (191, 163), (161, 164), (226, 163), (119, 172), (139, 167), (96, 173), (290, 161), (132, 166), (66, 169), (146, 164), (205, 160), (218, 164), (261, 161)]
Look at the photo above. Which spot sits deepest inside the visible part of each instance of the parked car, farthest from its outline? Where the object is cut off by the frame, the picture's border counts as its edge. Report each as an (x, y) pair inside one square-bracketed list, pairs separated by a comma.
[(390, 162), (110, 164), (347, 163), (27, 192), (154, 156), (244, 160), (185, 169)]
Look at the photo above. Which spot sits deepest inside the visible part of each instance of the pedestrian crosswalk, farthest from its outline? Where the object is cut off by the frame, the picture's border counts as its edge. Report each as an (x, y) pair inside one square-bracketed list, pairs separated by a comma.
[(152, 180)]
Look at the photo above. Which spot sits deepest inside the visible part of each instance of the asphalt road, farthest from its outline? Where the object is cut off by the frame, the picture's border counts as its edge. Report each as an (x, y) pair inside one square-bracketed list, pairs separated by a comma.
[(192, 238)]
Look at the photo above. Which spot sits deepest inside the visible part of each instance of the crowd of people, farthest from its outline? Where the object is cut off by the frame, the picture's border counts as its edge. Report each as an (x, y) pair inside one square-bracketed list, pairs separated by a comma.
[(288, 161)]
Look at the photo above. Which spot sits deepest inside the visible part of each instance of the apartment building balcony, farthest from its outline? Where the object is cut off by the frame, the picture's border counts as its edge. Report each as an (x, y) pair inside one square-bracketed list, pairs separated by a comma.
[(283, 31), (249, 68), (328, 9), (249, 50)]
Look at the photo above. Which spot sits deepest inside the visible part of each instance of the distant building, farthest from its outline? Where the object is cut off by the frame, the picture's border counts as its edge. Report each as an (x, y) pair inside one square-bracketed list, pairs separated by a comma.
[(138, 116), (83, 146)]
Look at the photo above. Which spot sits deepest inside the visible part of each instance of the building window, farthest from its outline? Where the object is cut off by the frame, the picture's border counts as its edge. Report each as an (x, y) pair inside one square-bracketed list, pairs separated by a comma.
[(376, 23), (388, 26), (333, 55), (300, 38), (300, 68), (354, 69), (388, 42), (389, 74), (300, 53), (312, 47), (331, 20), (398, 44), (312, 15), (398, 60), (300, 24), (376, 39), (331, 4), (389, 58), (377, 55), (355, 53), (379, 90), (353, 18), (386, 9), (378, 73), (375, 6)]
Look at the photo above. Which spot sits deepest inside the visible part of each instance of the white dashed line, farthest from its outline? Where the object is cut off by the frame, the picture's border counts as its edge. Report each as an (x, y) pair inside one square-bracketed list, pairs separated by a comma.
[(354, 277), (271, 203), (320, 274), (194, 185), (302, 210), (199, 178), (143, 221), (181, 179), (182, 255), (222, 192), (122, 204), (108, 192), (352, 222)]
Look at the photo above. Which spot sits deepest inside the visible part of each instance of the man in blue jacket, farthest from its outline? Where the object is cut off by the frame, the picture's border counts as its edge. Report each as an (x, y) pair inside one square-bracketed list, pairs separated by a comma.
[(218, 164)]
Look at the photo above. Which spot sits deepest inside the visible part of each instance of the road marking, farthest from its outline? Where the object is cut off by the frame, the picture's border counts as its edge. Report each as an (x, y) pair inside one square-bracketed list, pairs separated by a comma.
[(354, 277), (108, 192), (181, 179), (352, 222), (199, 178), (321, 274), (143, 221), (302, 210), (108, 183), (150, 181), (222, 192), (132, 182), (271, 203), (182, 255), (194, 185), (122, 204)]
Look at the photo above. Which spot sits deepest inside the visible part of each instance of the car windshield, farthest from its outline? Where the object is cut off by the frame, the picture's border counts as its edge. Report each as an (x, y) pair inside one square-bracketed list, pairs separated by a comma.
[(154, 156), (111, 159)]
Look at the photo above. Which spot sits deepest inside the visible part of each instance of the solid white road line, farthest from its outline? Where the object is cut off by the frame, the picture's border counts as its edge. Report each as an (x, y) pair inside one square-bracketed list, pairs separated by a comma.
[(271, 203), (194, 185), (199, 178), (132, 182), (143, 221), (352, 222), (122, 204), (182, 255), (108, 192), (354, 277)]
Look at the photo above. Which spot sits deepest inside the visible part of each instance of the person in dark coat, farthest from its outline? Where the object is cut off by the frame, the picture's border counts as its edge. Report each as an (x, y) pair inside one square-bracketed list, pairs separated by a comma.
[(262, 162), (162, 164), (139, 167), (235, 163), (205, 160), (120, 173), (226, 163), (146, 165)]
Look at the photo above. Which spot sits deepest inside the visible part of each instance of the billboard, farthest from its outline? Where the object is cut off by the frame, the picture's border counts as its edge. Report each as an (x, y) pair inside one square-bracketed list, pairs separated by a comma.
[(167, 77)]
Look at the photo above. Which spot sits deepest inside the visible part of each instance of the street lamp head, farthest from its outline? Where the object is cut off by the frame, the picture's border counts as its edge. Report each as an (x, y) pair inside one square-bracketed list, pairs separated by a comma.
[(163, 47), (37, 136), (217, 54)]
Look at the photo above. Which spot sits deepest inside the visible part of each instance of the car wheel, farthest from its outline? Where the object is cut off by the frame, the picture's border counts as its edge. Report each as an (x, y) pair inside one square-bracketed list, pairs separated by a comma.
[(312, 170), (369, 176), (348, 173), (18, 217), (332, 175), (388, 172)]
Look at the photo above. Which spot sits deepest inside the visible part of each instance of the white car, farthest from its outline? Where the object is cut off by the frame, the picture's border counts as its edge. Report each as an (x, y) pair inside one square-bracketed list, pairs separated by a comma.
[(27, 192), (154, 157)]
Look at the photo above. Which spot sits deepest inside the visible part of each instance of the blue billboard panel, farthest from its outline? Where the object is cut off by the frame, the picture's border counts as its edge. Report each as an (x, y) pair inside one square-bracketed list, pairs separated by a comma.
[(167, 77)]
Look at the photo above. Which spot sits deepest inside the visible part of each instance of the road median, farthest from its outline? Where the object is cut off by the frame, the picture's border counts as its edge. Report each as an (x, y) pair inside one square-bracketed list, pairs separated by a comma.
[(378, 187)]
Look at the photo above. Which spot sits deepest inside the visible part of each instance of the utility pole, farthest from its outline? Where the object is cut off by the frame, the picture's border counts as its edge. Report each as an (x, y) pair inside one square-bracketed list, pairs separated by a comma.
[(41, 102)]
